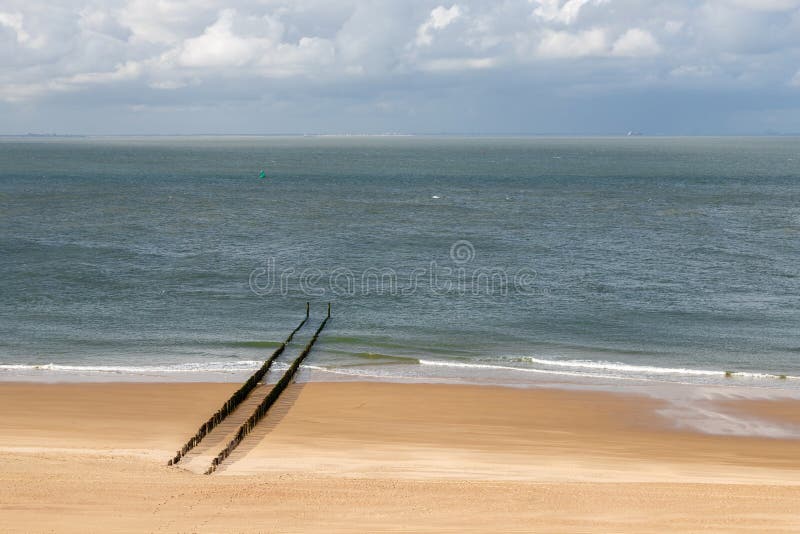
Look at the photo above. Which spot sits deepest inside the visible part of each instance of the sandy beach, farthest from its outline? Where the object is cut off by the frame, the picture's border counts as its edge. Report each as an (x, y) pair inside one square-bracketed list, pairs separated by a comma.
[(385, 457)]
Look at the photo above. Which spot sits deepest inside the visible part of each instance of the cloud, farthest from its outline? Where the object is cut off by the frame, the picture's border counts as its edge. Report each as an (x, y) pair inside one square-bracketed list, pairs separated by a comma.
[(127, 71), (636, 43), (565, 13), (562, 44), (218, 46), (317, 54), (14, 22), (766, 5), (163, 22), (439, 19), (458, 64)]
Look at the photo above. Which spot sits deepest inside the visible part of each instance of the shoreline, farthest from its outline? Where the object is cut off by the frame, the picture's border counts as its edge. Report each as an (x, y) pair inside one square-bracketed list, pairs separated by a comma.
[(518, 371), (359, 456)]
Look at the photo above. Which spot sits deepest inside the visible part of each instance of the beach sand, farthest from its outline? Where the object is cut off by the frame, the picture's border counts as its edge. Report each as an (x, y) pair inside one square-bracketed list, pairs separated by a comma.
[(385, 457)]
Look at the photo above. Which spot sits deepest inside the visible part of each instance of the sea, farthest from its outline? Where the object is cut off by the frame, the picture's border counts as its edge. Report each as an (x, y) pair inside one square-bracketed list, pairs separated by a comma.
[(521, 261)]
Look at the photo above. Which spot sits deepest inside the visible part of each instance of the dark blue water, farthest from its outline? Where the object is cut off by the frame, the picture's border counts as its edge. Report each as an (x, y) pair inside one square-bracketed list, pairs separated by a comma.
[(665, 258)]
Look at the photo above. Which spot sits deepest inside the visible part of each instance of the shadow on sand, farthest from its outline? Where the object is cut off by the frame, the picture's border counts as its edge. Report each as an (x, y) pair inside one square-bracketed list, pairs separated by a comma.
[(273, 418)]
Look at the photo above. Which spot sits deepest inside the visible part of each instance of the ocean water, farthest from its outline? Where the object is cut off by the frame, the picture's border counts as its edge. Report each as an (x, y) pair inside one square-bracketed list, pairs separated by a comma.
[(502, 260)]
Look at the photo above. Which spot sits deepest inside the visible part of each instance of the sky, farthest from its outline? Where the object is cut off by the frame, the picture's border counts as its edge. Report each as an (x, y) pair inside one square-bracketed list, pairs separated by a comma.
[(567, 67)]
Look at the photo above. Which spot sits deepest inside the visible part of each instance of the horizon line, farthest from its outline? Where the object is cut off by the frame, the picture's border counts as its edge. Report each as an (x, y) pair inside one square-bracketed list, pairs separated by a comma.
[(632, 134)]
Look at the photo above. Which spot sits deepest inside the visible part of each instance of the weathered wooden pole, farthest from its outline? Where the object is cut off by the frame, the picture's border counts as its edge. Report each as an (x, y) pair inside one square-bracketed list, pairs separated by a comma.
[(262, 409), (238, 396)]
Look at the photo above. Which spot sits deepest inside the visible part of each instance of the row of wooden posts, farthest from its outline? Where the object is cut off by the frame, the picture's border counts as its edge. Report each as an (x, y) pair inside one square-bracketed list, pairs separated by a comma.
[(238, 396), (268, 401)]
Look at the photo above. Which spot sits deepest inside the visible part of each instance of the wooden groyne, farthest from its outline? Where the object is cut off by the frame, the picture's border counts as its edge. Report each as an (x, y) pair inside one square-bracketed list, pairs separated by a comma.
[(268, 401), (238, 396)]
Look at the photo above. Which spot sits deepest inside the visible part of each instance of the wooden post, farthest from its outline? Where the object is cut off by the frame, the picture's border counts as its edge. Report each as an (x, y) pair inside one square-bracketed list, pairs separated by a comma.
[(329, 309), (268, 401), (238, 396), (307, 309)]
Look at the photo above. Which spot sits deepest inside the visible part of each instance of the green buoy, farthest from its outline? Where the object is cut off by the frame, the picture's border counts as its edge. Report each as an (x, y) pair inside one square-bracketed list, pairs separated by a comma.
[(262, 174)]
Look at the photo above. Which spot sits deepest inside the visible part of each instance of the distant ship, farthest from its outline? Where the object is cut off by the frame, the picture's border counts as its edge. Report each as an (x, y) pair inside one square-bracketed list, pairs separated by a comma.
[(634, 134)]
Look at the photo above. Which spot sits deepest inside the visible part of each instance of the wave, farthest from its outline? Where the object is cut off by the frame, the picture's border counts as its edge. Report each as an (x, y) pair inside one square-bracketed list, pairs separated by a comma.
[(651, 370), (584, 369), (623, 367), (496, 367), (190, 367), (357, 373), (611, 370)]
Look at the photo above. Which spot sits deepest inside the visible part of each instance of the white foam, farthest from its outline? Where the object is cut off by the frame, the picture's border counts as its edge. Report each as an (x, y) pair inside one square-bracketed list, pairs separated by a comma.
[(648, 369), (623, 367), (521, 369), (609, 370), (569, 368), (190, 367)]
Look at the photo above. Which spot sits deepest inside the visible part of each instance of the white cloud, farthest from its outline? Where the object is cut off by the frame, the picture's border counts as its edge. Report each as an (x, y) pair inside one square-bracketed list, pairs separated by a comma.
[(19, 92), (456, 64), (15, 22), (127, 71), (566, 13), (439, 19), (164, 21), (218, 46), (636, 43), (562, 44), (247, 45)]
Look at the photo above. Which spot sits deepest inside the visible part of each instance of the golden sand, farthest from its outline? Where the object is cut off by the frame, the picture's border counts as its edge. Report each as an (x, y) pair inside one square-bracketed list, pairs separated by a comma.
[(384, 457)]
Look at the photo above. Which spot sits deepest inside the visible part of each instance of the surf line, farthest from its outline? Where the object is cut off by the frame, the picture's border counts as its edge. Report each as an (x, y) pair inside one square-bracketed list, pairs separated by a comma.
[(262, 409), (238, 396)]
